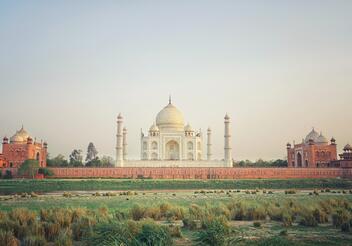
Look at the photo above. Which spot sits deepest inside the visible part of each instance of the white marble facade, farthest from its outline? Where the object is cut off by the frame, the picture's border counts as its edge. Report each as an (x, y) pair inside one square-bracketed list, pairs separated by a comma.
[(171, 143)]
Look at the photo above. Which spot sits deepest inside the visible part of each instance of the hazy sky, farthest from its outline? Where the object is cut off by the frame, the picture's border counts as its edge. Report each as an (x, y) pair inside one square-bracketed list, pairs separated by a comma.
[(67, 68)]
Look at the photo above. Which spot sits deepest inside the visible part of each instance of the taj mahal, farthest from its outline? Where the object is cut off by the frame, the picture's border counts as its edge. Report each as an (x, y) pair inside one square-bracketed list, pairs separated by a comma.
[(172, 143)]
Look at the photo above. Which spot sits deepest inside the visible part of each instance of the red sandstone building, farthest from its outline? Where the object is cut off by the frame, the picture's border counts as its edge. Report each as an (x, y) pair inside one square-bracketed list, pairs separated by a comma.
[(20, 148), (314, 151)]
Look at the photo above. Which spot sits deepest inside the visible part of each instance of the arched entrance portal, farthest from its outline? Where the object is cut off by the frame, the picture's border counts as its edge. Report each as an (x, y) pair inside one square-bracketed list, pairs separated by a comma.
[(172, 150), (299, 160)]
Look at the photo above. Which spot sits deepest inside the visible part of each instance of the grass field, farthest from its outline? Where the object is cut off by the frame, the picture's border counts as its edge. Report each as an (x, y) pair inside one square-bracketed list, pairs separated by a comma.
[(250, 212), (50, 185), (269, 233)]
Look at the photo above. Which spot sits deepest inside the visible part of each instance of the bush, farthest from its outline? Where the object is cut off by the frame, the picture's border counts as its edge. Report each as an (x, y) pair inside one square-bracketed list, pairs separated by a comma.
[(137, 212), (215, 233), (346, 227), (153, 234), (320, 216), (340, 217), (115, 233), (8, 174), (175, 231), (257, 224), (290, 191), (7, 238), (34, 241), (308, 219), (64, 239), (45, 171)]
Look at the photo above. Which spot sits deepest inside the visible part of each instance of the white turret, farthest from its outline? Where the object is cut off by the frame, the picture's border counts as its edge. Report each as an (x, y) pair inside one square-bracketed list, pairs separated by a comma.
[(119, 142), (227, 144), (209, 144), (124, 144)]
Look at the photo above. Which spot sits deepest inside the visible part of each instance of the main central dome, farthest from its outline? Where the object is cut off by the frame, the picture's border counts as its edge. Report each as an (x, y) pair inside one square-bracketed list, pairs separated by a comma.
[(170, 118)]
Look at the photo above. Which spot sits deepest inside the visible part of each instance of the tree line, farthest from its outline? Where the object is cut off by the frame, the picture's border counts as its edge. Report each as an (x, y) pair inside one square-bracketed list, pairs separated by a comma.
[(76, 159), (261, 163)]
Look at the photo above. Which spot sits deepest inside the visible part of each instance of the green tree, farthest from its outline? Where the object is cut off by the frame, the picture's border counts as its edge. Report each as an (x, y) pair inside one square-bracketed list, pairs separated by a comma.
[(94, 163), (91, 152), (107, 161), (76, 158), (29, 168), (58, 161)]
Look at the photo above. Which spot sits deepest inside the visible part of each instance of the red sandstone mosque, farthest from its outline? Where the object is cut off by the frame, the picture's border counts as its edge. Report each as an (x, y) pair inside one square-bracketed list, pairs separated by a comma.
[(20, 148), (316, 151)]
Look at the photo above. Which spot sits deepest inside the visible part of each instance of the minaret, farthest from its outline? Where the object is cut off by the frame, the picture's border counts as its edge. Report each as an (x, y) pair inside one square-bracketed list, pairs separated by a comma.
[(124, 144), (227, 145), (119, 142), (209, 144)]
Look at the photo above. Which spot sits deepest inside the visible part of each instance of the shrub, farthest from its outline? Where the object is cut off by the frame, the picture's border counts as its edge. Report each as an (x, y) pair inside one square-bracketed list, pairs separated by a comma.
[(175, 231), (23, 216), (320, 216), (67, 194), (34, 241), (137, 212), (215, 233), (308, 219), (257, 213), (8, 174), (64, 239), (287, 219), (52, 231), (340, 217), (83, 227), (290, 191), (115, 233), (7, 238), (257, 224), (154, 234), (33, 194), (45, 171)]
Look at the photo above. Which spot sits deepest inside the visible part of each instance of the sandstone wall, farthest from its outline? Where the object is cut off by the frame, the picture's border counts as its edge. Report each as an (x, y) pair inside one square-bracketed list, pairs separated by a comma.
[(197, 173), (202, 173)]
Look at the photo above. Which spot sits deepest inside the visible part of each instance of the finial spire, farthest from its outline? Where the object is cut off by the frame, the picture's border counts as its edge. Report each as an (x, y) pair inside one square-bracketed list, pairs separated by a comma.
[(170, 99)]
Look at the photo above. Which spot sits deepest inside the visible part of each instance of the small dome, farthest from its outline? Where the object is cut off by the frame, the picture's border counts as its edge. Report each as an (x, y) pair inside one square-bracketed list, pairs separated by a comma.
[(170, 117), (16, 138), (20, 136), (313, 135), (188, 128), (154, 128), (227, 117), (347, 147), (322, 140)]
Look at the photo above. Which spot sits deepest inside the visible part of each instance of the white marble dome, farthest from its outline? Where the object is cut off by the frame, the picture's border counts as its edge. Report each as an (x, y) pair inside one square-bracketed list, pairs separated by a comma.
[(20, 136), (322, 139), (312, 135), (170, 117)]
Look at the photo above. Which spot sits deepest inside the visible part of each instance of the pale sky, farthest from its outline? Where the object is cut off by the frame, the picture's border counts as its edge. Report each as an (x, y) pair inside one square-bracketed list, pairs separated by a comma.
[(278, 68)]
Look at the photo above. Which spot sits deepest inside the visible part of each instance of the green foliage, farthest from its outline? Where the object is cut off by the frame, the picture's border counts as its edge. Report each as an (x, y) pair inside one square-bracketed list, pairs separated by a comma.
[(15, 186), (94, 163), (215, 233), (29, 168), (46, 172), (7, 238), (76, 159), (34, 241), (261, 163), (308, 219), (282, 241), (115, 233), (58, 161), (8, 174), (153, 234)]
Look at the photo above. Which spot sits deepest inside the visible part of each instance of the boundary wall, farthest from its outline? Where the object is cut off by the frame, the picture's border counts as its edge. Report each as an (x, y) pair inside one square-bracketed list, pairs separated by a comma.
[(197, 173)]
